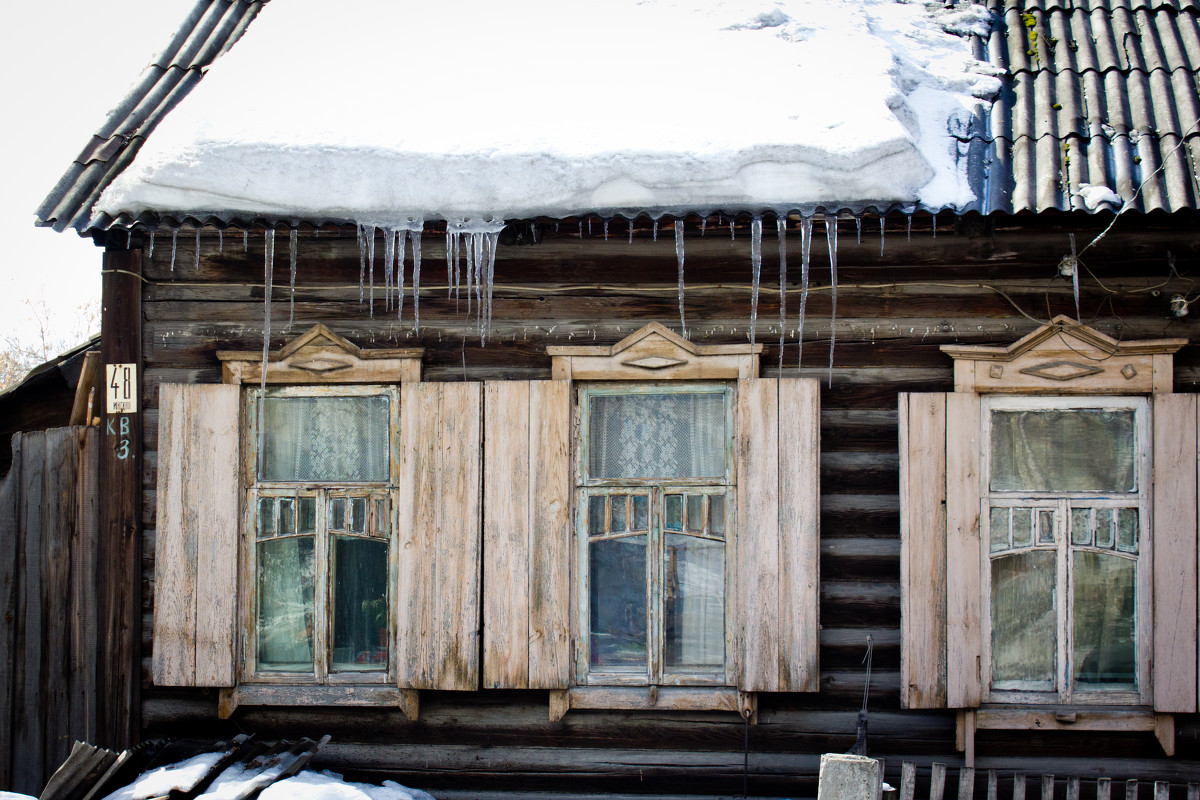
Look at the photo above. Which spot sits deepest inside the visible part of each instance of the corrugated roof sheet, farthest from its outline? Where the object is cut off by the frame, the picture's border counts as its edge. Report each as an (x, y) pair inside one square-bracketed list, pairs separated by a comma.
[(212, 27), (1100, 92)]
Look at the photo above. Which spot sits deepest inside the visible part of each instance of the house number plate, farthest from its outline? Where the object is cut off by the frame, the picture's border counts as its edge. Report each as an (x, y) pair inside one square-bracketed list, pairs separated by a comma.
[(122, 388)]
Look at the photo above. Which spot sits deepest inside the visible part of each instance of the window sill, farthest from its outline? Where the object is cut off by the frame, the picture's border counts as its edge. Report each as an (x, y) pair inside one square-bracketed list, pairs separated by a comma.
[(653, 698), (1063, 718), (375, 696)]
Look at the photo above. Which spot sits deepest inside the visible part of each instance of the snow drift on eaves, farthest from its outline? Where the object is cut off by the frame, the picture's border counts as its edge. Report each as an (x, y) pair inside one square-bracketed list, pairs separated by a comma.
[(380, 111)]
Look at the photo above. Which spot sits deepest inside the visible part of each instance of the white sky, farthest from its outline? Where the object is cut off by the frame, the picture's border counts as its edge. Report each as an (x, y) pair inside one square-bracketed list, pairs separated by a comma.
[(63, 65)]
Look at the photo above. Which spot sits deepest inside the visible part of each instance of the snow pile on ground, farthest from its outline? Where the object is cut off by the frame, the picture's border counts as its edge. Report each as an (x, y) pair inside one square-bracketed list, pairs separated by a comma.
[(238, 779), (388, 111)]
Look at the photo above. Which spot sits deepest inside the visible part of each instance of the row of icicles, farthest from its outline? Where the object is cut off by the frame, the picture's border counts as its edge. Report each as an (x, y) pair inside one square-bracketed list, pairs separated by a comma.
[(471, 259)]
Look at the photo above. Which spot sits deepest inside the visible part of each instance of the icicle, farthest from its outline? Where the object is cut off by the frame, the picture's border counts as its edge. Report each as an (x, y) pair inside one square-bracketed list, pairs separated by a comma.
[(580, 229), (781, 232), (468, 254), (935, 225), (362, 260), (631, 230), (293, 241), (174, 243), (755, 273), (703, 224), (831, 239), (655, 230), (909, 227), (268, 282), (477, 246), (882, 234), (449, 262), (491, 240), (416, 245), (679, 262), (196, 267), (731, 220), (805, 249), (606, 230), (458, 273), (389, 266), (589, 219), (245, 240), (401, 235), (369, 235), (220, 240), (151, 254)]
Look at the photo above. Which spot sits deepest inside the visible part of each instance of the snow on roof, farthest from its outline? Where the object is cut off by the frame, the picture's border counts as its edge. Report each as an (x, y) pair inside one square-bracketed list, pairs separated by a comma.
[(385, 112)]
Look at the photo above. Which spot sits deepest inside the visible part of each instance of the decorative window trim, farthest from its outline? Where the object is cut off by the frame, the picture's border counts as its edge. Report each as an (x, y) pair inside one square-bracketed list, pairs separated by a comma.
[(656, 353), (321, 356)]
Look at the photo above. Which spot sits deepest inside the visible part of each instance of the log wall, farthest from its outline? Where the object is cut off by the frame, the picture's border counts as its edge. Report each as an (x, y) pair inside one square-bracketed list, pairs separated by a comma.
[(976, 281)]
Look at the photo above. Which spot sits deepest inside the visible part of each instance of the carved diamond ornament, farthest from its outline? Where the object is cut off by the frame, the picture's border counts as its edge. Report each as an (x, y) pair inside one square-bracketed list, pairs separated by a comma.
[(654, 362), (319, 364), (1062, 370)]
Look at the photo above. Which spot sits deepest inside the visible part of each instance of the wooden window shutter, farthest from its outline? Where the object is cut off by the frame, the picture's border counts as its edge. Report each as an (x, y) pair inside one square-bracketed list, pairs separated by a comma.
[(964, 588), (776, 566), (437, 563), (1174, 544), (923, 550), (941, 588), (526, 535), (196, 536)]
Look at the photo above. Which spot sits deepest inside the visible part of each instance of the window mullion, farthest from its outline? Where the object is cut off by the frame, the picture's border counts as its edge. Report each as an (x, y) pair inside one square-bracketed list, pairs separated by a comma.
[(654, 585), (1062, 588), (323, 593)]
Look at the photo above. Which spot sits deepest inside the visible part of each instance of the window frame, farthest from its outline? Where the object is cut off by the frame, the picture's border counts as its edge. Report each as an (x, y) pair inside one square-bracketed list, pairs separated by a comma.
[(322, 673), (1064, 691), (656, 673)]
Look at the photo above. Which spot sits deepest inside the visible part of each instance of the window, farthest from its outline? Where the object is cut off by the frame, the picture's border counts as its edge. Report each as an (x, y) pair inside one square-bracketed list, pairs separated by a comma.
[(1066, 505), (322, 502), (655, 490)]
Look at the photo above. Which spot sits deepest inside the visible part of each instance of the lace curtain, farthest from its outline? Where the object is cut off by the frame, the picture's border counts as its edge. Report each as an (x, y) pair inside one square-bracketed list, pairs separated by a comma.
[(326, 439), (666, 436)]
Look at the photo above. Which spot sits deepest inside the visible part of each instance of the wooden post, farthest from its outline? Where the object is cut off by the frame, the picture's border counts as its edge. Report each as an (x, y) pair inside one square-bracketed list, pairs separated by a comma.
[(119, 549)]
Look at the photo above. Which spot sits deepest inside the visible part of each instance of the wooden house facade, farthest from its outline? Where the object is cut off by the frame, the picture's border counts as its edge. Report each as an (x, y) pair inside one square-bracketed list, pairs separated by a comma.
[(443, 541)]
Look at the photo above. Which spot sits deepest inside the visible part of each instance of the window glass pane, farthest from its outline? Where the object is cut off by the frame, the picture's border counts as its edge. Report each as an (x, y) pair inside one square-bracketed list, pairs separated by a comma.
[(617, 603), (1045, 526), (1064, 450), (1104, 611), (657, 436), (383, 519), (1023, 620), (1104, 527), (287, 516), (266, 516), (695, 512), (716, 514), (325, 439), (641, 512), (308, 515), (360, 613), (1127, 530), (1022, 520), (693, 602), (1081, 526), (337, 514), (618, 502), (998, 526), (358, 514), (596, 504), (285, 604), (673, 514)]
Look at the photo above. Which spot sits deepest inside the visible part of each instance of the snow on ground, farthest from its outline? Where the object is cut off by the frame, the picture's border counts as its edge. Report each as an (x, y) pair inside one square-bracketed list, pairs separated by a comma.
[(386, 111), (158, 782)]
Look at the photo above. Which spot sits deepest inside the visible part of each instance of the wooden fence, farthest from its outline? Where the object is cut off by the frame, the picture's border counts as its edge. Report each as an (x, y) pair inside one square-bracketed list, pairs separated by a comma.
[(1018, 786), (48, 533)]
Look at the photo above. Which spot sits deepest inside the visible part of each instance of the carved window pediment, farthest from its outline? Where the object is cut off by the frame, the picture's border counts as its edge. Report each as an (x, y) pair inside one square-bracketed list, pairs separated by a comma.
[(1066, 357), (321, 356), (654, 352)]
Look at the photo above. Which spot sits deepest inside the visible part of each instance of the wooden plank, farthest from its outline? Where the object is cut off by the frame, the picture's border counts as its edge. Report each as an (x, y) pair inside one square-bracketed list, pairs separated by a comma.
[(83, 589), (1131, 789), (458, 563), (799, 534), (10, 528), (196, 536), (964, 637), (1095, 718), (27, 730), (1193, 792), (1175, 553), (119, 553), (923, 550), (908, 780), (1047, 787), (1072, 788), (757, 544), (662, 698), (937, 781), (550, 535), (410, 551), (507, 518), (1162, 791), (1018, 786), (966, 783), (58, 518), (83, 390), (1103, 788), (993, 785)]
